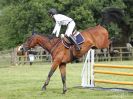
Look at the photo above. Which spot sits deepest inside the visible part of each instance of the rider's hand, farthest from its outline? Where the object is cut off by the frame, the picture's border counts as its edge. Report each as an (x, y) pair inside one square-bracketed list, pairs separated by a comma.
[(62, 35)]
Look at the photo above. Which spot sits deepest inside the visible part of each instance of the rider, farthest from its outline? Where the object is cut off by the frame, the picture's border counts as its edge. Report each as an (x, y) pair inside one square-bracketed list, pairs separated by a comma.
[(63, 20)]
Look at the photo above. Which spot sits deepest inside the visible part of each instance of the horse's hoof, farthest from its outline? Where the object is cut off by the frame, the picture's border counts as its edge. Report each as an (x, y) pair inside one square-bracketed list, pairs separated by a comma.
[(64, 91), (43, 88)]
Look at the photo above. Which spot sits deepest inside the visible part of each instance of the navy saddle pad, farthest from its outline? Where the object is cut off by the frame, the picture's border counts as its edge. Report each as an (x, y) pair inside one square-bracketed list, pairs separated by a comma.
[(79, 38)]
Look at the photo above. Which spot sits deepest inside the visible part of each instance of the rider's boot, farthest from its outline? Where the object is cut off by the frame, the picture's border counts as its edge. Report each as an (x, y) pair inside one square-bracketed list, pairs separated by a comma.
[(72, 39)]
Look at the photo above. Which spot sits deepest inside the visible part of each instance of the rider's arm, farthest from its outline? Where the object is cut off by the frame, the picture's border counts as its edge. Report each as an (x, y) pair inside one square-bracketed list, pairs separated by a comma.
[(57, 29)]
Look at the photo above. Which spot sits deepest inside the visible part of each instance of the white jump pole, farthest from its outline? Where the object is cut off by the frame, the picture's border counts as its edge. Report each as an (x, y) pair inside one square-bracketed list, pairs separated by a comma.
[(87, 71), (92, 68)]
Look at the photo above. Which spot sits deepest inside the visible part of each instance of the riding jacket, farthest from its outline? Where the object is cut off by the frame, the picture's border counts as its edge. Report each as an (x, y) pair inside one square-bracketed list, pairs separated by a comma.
[(63, 20)]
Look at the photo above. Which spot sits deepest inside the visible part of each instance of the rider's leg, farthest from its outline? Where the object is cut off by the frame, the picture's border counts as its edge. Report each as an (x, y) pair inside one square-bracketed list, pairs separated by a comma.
[(70, 28), (69, 31)]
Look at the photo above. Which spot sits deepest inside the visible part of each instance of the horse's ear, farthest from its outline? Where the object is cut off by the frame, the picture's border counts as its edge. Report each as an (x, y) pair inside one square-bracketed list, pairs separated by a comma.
[(33, 33)]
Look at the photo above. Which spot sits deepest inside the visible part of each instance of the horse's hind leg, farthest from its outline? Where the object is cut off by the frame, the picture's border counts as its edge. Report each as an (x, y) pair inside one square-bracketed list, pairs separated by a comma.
[(52, 70), (63, 76)]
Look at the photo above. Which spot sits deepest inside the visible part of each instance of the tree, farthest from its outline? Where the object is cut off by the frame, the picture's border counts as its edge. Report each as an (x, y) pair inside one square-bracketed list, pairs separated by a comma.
[(19, 18)]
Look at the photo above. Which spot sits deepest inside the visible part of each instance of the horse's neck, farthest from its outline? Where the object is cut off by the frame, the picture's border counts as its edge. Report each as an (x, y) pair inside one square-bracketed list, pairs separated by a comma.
[(47, 43), (53, 42)]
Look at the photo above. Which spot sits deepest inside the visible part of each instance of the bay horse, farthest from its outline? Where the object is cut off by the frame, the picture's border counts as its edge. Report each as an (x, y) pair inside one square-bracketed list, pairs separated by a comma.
[(94, 37)]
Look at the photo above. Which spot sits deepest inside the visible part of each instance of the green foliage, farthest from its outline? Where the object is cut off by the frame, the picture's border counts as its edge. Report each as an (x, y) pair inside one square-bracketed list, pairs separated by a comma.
[(19, 18), (114, 30), (82, 22)]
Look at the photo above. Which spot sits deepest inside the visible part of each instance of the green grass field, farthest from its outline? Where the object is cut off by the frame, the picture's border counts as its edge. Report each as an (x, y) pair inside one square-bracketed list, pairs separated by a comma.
[(25, 82)]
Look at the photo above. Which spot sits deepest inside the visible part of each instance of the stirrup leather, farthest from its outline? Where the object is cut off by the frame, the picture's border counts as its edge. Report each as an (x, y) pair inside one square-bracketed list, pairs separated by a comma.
[(74, 42)]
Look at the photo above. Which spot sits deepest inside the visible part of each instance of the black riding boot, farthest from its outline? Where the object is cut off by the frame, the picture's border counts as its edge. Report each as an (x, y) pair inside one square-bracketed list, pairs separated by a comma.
[(72, 39)]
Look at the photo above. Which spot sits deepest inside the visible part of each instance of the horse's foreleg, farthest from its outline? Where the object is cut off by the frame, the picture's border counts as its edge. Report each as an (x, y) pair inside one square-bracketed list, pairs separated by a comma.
[(52, 70), (19, 59), (63, 76)]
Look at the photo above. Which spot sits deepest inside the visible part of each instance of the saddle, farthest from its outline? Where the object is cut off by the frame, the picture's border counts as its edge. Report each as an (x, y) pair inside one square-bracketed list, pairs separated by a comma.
[(78, 38)]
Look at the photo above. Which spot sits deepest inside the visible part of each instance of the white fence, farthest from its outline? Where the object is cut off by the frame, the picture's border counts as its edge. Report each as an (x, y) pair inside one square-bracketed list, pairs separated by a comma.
[(118, 53)]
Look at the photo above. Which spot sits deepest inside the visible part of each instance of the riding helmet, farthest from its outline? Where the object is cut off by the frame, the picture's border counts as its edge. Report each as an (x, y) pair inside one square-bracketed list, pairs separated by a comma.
[(52, 11)]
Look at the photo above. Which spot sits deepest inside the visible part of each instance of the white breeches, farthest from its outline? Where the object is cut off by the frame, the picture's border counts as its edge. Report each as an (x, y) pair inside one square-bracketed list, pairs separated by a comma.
[(70, 28)]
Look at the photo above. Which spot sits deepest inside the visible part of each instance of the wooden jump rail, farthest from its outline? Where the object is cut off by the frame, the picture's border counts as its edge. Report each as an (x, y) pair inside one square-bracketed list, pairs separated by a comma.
[(113, 66), (89, 71), (113, 82), (113, 73)]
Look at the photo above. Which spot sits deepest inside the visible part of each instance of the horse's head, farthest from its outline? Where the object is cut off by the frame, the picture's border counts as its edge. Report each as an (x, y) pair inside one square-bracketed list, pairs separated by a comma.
[(30, 43), (19, 50)]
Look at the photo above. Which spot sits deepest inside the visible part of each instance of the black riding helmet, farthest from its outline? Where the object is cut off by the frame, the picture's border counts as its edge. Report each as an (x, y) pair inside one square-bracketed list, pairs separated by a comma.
[(52, 11)]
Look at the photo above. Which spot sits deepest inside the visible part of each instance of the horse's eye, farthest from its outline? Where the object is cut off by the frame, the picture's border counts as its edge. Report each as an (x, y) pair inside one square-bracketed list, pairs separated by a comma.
[(21, 49)]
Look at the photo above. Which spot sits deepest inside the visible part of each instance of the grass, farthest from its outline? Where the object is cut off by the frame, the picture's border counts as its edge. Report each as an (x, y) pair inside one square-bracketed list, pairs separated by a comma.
[(25, 82)]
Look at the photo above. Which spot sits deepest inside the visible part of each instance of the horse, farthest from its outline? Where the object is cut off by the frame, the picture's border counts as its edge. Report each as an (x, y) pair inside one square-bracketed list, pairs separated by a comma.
[(94, 37), (22, 55)]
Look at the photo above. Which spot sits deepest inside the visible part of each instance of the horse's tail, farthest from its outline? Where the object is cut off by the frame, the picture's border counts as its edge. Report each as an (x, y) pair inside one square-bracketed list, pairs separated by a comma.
[(111, 40), (112, 15)]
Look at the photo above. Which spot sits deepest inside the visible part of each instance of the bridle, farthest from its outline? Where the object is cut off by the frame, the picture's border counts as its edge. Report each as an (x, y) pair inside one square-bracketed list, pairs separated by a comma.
[(25, 48), (25, 45), (53, 43)]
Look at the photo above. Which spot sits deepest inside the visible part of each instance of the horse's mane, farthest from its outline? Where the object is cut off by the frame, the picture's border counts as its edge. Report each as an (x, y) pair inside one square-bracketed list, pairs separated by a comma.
[(49, 36)]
